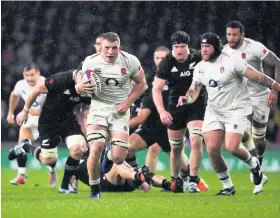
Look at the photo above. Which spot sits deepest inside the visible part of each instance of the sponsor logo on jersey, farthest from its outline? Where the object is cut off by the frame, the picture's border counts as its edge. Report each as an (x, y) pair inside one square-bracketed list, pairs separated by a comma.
[(192, 65), (222, 69), (185, 73), (45, 142), (174, 69), (72, 98), (51, 81), (264, 51), (243, 55), (212, 83), (67, 92)]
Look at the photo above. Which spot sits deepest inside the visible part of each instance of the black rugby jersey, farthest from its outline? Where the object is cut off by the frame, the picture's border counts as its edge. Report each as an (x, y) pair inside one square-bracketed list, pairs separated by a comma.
[(178, 74), (61, 98), (153, 121)]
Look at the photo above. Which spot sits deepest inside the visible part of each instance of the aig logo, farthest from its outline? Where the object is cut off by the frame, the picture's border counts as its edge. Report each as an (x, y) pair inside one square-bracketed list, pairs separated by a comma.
[(186, 73), (74, 98)]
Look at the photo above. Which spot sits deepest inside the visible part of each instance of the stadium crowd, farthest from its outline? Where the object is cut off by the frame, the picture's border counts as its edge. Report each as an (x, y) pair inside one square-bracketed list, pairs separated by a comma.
[(57, 36)]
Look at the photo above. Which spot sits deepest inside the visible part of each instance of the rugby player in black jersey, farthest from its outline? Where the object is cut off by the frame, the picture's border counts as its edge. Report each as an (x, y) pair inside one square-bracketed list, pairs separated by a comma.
[(121, 178), (57, 121), (177, 70)]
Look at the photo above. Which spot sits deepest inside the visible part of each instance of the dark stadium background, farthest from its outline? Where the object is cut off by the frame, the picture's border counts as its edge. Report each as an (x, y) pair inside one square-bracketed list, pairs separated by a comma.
[(59, 35)]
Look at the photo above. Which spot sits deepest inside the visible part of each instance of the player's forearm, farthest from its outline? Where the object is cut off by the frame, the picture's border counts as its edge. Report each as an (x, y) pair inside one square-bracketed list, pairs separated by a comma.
[(136, 91), (13, 102), (193, 92), (135, 122), (30, 99), (192, 96), (158, 99)]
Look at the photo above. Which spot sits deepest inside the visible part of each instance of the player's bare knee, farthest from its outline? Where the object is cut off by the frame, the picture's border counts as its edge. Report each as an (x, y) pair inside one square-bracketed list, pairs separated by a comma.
[(196, 137), (232, 149), (118, 160), (48, 160), (213, 151), (154, 150), (76, 152)]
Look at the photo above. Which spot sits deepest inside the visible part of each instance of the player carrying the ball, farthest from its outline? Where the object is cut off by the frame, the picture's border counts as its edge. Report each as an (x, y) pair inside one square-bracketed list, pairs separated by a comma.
[(119, 79)]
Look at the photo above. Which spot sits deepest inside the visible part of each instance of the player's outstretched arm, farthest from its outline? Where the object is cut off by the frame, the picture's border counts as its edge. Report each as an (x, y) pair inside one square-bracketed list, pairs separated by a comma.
[(191, 95), (40, 88), (271, 65), (273, 61), (264, 80), (13, 102)]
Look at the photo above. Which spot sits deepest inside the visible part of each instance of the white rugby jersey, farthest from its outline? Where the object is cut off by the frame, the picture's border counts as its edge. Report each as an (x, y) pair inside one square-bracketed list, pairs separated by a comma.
[(225, 84), (116, 78), (252, 52), (23, 89)]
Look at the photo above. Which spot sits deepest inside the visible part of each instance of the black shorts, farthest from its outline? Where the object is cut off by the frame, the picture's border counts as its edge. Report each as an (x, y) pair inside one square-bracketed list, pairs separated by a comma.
[(151, 136), (51, 135), (106, 186), (182, 115)]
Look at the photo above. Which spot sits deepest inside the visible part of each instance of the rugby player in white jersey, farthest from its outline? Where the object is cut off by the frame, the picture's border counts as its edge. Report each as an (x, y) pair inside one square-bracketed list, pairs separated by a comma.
[(29, 131), (109, 111), (228, 106), (256, 55)]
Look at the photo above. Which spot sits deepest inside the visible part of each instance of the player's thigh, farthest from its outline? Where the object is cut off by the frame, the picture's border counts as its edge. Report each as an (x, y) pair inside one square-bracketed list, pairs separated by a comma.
[(154, 150), (137, 141), (114, 175), (25, 133), (232, 140), (214, 140)]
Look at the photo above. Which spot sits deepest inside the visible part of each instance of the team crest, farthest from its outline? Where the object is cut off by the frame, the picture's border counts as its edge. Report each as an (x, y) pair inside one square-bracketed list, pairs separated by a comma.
[(123, 71), (264, 51), (222, 69), (51, 81), (243, 55)]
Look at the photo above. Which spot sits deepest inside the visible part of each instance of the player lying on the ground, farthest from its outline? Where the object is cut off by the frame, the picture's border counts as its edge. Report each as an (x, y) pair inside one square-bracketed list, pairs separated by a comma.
[(121, 178)]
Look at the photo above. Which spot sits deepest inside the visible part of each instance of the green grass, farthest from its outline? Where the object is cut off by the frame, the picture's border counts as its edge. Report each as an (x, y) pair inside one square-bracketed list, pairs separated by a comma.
[(30, 201)]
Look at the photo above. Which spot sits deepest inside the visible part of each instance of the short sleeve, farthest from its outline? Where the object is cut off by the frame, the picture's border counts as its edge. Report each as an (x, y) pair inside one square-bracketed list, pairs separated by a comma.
[(260, 50), (136, 67), (163, 69), (17, 89), (60, 82), (239, 65), (196, 73)]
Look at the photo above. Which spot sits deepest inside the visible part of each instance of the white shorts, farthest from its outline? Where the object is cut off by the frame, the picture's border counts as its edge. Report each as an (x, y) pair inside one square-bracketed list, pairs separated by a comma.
[(260, 109), (32, 124), (109, 118), (234, 121)]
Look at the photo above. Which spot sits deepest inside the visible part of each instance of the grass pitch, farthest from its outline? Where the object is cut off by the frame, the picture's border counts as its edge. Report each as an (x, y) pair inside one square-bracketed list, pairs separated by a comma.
[(36, 200)]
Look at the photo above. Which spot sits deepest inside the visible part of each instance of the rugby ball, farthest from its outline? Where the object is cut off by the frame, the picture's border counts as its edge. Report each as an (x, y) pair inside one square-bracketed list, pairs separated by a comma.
[(95, 80)]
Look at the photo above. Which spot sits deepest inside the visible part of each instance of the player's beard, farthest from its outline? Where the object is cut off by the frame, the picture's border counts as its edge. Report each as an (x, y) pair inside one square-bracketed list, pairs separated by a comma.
[(236, 44)]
